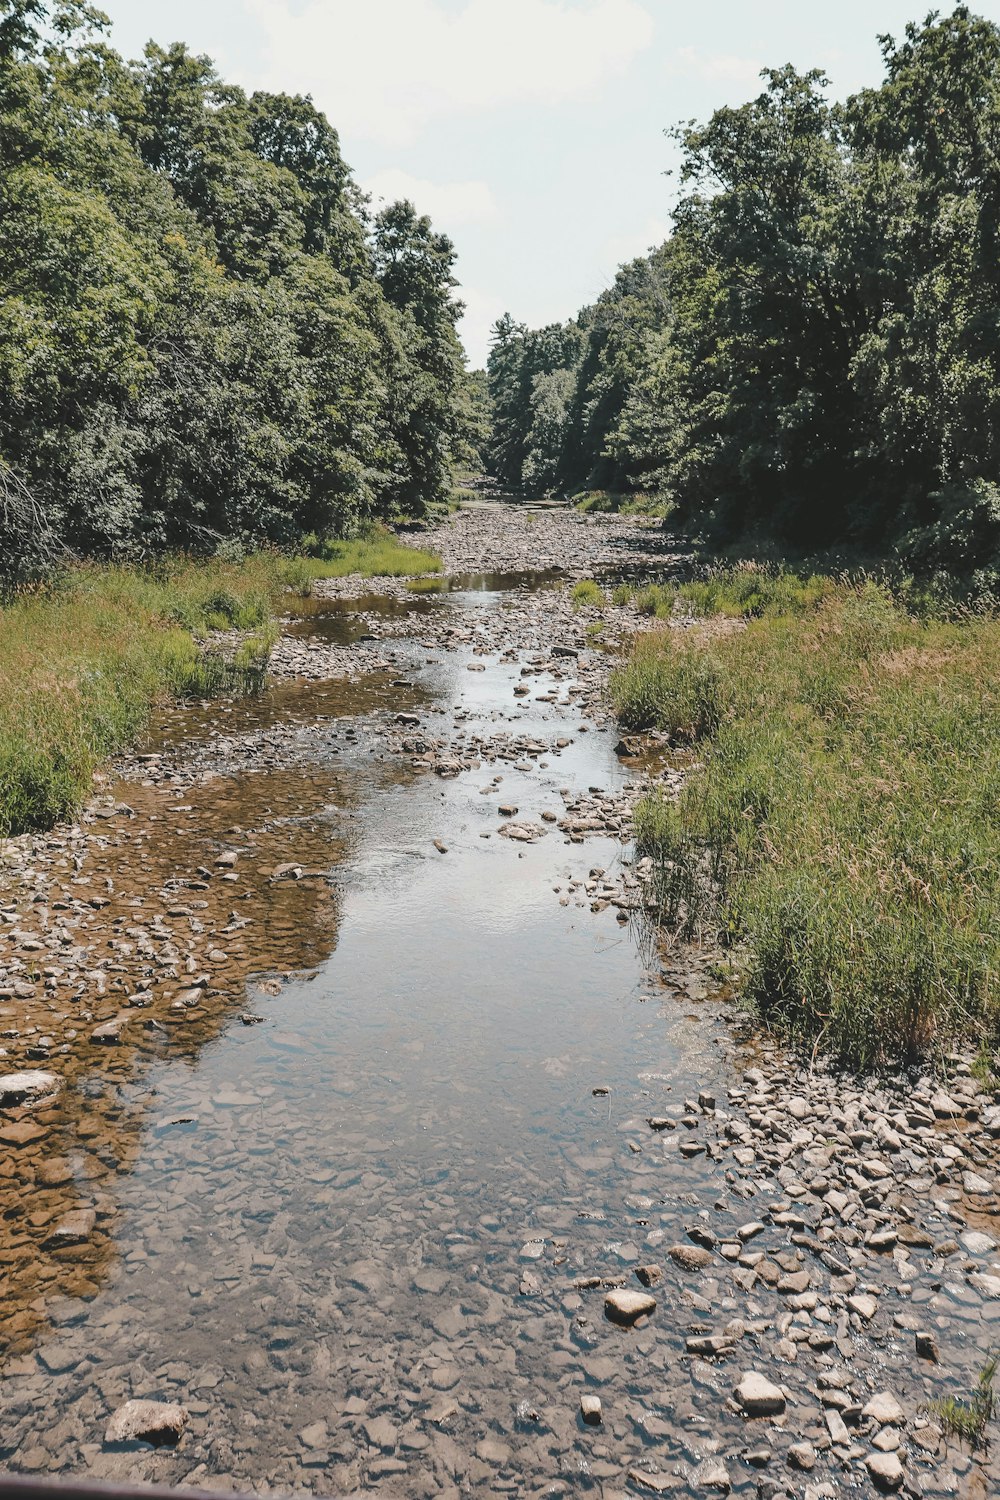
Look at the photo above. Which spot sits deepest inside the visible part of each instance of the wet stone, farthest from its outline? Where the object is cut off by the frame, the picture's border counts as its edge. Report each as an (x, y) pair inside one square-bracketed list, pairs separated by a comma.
[(627, 1307)]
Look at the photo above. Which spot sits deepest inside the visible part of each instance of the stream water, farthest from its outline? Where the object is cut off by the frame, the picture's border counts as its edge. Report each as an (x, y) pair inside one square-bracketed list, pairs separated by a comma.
[(345, 1236)]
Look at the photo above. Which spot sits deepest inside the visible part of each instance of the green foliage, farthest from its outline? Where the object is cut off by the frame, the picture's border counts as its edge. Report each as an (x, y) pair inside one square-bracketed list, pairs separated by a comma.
[(81, 663), (201, 336), (623, 503), (380, 555), (739, 592), (815, 351), (587, 592), (969, 1419), (842, 827)]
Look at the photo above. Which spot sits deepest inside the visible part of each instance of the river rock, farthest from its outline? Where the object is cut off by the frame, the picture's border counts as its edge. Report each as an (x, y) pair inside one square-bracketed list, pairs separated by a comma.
[(74, 1228), (758, 1397), (884, 1409), (690, 1257), (138, 1421), (886, 1470), (712, 1475), (109, 1033), (802, 1456), (591, 1410), (21, 1088), (627, 1307)]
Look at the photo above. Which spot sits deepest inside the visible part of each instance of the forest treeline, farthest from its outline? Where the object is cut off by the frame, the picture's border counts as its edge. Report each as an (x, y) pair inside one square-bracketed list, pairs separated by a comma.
[(815, 350), (205, 334)]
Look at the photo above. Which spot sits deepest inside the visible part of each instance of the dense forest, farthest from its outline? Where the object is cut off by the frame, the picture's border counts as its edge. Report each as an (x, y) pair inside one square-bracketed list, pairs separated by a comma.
[(815, 350), (204, 333)]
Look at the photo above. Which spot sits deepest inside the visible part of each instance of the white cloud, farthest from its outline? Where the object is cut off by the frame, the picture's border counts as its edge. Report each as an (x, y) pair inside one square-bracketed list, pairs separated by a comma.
[(481, 312), (450, 204), (384, 68), (619, 248), (718, 67)]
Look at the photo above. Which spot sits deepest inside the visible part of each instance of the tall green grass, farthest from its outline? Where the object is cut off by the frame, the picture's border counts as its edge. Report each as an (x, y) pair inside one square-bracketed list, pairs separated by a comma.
[(843, 826), (379, 555), (83, 661), (739, 592)]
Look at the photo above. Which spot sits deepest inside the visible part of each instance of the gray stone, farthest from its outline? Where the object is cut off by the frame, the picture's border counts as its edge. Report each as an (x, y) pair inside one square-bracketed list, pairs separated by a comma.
[(884, 1409), (885, 1469), (690, 1257), (591, 1410), (627, 1307), (139, 1421), (758, 1397), (712, 1475)]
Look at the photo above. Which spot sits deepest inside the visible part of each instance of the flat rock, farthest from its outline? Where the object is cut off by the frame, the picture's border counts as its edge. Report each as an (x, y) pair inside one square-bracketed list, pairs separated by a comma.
[(690, 1257), (885, 1469), (712, 1475), (73, 1228), (381, 1433), (654, 1480), (626, 1307), (20, 1088), (758, 1397), (802, 1456), (158, 1422), (884, 1409)]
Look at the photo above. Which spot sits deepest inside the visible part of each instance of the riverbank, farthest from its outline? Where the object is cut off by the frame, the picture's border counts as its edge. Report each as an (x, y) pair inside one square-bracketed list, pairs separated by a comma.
[(368, 1085), (84, 660), (840, 830)]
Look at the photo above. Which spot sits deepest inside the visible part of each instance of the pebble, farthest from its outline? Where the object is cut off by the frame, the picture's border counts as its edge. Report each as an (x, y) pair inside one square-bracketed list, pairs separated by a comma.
[(591, 1410)]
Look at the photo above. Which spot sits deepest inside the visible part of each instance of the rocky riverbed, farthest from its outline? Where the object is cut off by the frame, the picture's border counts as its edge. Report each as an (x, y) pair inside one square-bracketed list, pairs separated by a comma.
[(355, 1134)]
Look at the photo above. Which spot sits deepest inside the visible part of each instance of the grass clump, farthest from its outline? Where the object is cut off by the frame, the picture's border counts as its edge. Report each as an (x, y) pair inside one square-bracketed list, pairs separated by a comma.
[(843, 827), (378, 555), (586, 593), (740, 592), (632, 504), (968, 1420), (81, 663)]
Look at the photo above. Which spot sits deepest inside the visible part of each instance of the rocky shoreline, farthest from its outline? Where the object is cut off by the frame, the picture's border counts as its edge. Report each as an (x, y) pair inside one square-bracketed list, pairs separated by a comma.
[(830, 1280)]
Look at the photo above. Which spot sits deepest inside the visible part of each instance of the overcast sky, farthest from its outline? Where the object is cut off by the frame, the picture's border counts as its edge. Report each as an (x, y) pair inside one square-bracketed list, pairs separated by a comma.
[(532, 131)]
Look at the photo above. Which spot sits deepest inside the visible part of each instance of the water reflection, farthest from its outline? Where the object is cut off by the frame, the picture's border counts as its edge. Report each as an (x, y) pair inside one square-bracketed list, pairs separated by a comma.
[(315, 1230)]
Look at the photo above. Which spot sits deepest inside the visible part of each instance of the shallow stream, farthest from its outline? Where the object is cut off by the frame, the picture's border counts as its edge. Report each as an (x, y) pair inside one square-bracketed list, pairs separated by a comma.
[(340, 1217)]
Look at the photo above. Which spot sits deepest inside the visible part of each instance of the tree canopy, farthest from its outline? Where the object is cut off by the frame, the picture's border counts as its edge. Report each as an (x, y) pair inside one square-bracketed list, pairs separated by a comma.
[(204, 335), (815, 350)]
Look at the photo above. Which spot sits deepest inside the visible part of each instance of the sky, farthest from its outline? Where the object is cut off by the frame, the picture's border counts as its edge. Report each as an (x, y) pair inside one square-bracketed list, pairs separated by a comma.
[(532, 131)]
